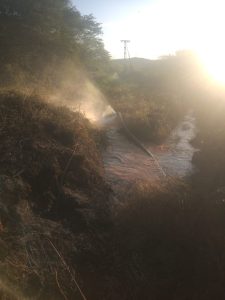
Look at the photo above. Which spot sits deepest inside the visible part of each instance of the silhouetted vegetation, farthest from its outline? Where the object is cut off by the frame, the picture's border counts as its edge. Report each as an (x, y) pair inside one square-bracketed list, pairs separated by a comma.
[(166, 243), (37, 37), (209, 160)]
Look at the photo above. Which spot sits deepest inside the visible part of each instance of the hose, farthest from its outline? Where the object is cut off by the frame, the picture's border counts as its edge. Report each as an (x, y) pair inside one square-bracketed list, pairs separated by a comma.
[(138, 143)]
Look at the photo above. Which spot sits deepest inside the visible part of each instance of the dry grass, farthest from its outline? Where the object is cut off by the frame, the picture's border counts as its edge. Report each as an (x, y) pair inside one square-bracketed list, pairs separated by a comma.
[(58, 239), (149, 116), (166, 243), (51, 190), (38, 142)]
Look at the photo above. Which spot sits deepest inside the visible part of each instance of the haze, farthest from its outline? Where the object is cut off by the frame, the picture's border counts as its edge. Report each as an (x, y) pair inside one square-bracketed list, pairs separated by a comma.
[(158, 28)]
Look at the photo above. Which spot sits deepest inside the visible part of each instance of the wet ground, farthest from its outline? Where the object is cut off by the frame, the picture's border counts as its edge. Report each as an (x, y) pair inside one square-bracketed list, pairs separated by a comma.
[(175, 155), (125, 163)]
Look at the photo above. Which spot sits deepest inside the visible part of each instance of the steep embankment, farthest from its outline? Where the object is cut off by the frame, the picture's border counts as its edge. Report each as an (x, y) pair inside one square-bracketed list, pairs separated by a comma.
[(51, 190)]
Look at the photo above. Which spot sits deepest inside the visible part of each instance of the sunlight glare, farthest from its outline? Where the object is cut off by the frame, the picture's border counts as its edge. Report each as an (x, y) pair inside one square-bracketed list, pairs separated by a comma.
[(163, 27), (214, 63)]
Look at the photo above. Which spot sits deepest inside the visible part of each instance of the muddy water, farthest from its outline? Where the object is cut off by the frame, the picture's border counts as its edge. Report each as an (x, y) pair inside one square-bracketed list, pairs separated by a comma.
[(175, 156), (125, 163)]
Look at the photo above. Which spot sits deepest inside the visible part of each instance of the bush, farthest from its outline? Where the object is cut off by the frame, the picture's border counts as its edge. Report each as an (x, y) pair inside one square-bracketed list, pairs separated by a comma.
[(52, 191), (166, 243)]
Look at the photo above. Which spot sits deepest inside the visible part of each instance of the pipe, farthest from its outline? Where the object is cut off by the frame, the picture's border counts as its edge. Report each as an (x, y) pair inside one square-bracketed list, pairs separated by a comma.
[(138, 143)]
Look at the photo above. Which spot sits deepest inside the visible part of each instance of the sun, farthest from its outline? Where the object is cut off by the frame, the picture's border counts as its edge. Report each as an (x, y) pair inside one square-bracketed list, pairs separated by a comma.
[(213, 62), (164, 27), (197, 25), (204, 32)]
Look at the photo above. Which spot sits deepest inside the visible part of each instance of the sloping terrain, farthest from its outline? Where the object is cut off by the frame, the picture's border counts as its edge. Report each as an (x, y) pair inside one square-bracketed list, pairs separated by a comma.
[(61, 236), (51, 190)]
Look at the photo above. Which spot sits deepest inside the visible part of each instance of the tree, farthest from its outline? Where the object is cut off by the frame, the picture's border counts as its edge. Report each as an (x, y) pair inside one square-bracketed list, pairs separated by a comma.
[(45, 32)]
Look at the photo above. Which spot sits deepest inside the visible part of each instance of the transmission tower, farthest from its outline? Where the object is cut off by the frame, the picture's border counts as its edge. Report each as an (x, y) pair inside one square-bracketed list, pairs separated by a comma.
[(126, 51)]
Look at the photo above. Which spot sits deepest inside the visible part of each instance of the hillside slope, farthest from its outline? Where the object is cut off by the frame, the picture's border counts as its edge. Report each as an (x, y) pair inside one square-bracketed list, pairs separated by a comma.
[(51, 190)]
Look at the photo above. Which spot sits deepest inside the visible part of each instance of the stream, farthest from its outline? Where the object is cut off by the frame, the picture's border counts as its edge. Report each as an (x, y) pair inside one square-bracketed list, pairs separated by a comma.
[(125, 163)]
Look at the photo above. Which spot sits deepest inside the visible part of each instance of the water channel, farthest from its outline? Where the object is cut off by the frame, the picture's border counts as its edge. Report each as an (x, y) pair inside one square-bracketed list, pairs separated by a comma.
[(125, 163)]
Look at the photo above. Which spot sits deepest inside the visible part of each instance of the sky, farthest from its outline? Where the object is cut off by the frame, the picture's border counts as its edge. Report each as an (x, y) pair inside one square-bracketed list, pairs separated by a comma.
[(117, 19), (161, 27)]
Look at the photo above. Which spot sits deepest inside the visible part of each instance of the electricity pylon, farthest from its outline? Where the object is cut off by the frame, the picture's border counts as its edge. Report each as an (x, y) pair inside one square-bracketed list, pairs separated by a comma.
[(127, 61), (126, 51)]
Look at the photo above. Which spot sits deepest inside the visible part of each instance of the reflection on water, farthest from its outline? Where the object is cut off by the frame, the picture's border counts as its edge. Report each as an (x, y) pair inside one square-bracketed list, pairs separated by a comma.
[(176, 159), (125, 163)]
